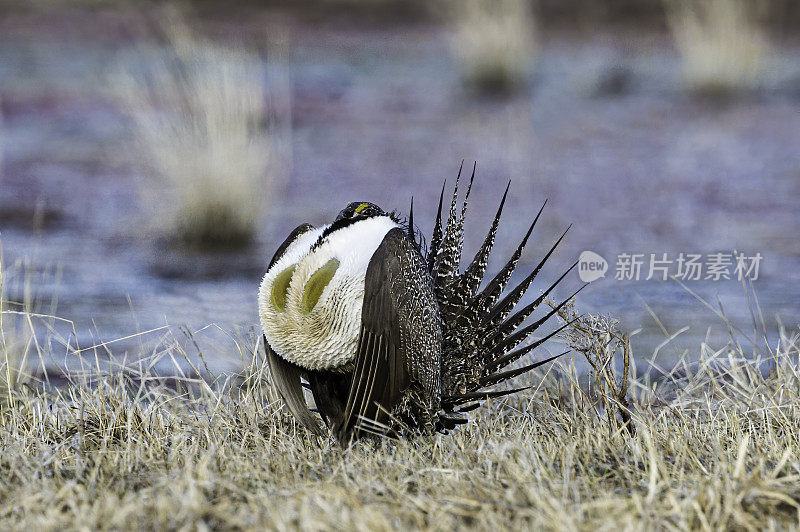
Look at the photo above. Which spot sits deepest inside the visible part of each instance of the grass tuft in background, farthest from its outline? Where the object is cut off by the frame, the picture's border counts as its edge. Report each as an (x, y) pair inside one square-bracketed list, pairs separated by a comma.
[(722, 45), (201, 117), (494, 42)]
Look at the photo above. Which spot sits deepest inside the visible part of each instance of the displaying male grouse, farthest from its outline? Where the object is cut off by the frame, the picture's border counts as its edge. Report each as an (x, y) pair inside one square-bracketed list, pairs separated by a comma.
[(393, 340)]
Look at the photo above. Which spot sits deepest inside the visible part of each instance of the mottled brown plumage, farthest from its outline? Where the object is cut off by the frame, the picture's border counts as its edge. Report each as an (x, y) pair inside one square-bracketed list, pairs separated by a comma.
[(429, 342)]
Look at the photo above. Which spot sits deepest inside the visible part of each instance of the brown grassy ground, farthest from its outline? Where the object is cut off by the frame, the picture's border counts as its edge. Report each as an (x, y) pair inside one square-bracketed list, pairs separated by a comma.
[(713, 445)]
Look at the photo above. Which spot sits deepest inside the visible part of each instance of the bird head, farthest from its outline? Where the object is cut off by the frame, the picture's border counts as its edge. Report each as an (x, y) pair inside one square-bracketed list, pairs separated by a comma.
[(358, 210)]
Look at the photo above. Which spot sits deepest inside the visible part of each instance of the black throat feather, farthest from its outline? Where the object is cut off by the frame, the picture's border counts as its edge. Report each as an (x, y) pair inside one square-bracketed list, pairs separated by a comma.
[(347, 222)]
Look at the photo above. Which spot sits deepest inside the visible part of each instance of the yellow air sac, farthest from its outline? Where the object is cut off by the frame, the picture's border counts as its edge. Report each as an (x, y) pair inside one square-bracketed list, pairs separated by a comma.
[(280, 286), (316, 284)]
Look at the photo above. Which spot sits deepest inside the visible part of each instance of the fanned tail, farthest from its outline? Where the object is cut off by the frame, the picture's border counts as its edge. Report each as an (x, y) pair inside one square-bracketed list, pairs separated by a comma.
[(436, 239), (482, 331)]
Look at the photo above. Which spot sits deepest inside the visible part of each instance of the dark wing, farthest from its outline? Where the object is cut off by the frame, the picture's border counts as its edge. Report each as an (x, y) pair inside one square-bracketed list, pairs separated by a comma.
[(286, 376), (298, 231), (396, 345)]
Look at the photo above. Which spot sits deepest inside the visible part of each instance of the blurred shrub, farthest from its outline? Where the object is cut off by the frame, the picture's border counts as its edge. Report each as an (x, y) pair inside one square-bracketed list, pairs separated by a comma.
[(494, 42), (721, 43), (200, 116)]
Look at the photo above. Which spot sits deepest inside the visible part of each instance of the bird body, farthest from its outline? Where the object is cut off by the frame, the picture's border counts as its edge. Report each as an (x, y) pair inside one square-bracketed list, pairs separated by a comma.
[(392, 339), (321, 277)]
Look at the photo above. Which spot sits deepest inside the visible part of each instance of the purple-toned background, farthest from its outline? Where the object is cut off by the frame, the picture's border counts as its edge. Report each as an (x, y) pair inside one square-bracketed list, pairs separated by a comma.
[(605, 131)]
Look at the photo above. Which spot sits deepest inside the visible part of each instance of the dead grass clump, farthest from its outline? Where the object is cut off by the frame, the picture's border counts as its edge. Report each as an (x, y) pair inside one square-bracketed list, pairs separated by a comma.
[(494, 42), (601, 342), (200, 115), (721, 42)]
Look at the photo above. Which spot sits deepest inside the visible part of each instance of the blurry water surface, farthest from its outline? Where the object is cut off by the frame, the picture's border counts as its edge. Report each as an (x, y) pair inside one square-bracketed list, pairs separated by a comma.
[(379, 114)]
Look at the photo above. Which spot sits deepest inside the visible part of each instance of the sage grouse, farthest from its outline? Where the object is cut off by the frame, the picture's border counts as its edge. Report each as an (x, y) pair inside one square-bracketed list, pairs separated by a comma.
[(393, 340)]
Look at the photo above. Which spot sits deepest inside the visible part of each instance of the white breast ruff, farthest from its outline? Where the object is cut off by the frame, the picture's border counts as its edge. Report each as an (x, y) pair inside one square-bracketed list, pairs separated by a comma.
[(327, 337)]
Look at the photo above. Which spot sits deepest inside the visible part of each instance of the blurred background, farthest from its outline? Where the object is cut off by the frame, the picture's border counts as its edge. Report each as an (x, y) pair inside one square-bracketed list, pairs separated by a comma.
[(154, 155)]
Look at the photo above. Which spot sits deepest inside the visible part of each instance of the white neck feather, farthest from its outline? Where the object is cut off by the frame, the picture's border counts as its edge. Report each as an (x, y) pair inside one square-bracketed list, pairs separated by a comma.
[(325, 338)]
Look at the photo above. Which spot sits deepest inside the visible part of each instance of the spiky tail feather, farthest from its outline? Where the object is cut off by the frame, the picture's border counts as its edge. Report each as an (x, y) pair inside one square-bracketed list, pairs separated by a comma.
[(481, 336)]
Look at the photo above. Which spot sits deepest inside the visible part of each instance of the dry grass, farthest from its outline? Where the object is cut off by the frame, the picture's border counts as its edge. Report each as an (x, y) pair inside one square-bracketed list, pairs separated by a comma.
[(721, 42), (715, 446), (16, 335), (201, 117), (494, 42)]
